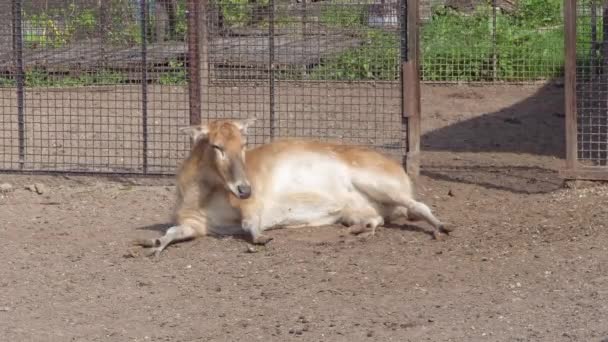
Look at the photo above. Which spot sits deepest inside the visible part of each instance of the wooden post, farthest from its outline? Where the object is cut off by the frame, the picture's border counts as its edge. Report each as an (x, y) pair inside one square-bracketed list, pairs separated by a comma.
[(194, 73), (570, 84), (203, 46), (198, 55), (19, 76), (411, 89), (144, 82)]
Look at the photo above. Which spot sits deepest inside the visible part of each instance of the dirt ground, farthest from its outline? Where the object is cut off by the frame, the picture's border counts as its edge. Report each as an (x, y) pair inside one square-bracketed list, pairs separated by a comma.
[(527, 260)]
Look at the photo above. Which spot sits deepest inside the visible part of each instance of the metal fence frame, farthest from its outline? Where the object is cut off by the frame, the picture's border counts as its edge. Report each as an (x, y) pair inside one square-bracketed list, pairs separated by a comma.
[(575, 110), (197, 50), (199, 46), (495, 46), (410, 86), (21, 90)]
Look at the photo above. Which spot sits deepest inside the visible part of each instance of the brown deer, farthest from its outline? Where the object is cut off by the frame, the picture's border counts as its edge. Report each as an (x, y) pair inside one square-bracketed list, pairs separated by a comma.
[(225, 189)]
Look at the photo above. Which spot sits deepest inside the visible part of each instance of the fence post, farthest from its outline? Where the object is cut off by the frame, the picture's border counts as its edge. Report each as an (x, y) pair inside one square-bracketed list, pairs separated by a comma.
[(144, 80), (403, 60), (19, 77), (194, 75), (271, 66), (411, 88), (570, 84), (494, 55), (203, 49)]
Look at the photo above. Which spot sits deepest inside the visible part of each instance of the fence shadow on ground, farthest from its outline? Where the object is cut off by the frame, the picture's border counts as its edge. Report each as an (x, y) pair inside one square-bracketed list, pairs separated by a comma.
[(515, 179), (533, 126)]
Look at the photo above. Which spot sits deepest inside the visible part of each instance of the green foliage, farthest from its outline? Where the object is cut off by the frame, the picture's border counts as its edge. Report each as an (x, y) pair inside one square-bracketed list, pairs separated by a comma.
[(177, 76), (529, 44), (539, 13), (181, 27), (343, 14), (459, 47), (454, 46), (43, 32), (528, 53), (40, 78), (235, 12), (377, 59), (123, 28), (58, 27), (7, 82), (238, 13)]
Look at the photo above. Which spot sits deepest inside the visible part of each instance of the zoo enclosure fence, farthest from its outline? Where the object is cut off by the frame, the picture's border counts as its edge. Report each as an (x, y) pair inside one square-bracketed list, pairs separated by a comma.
[(91, 86), (491, 41), (586, 89), (529, 41)]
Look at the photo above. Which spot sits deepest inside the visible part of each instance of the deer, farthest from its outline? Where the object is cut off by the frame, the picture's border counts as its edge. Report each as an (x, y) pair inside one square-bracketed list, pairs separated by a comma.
[(224, 188)]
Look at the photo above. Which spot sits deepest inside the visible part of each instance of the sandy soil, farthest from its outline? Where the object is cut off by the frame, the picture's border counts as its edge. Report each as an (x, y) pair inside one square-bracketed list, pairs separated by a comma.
[(527, 262)]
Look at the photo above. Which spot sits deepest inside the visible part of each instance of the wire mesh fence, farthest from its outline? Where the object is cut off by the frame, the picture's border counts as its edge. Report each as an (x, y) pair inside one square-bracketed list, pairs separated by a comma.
[(104, 86), (324, 70), (469, 41), (92, 86), (592, 83)]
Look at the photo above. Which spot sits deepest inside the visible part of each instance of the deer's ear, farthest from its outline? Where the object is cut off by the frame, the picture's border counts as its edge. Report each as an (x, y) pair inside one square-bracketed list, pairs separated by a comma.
[(196, 132), (242, 125)]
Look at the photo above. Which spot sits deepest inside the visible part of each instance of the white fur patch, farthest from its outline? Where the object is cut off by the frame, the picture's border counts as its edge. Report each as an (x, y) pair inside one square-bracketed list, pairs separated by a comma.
[(312, 189)]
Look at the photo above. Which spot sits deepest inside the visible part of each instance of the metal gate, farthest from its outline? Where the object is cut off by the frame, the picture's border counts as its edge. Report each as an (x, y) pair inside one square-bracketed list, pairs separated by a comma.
[(103, 86)]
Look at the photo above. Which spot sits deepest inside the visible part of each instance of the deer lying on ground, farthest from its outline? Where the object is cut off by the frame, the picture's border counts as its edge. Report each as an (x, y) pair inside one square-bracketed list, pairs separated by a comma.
[(224, 189)]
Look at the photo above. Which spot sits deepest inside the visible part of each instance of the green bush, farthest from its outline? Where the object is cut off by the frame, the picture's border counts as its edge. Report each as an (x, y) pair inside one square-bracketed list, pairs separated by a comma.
[(239, 13), (123, 27), (454, 46), (343, 14), (529, 44), (177, 76), (181, 26), (457, 46), (377, 59), (58, 27), (7, 82), (40, 78), (539, 13)]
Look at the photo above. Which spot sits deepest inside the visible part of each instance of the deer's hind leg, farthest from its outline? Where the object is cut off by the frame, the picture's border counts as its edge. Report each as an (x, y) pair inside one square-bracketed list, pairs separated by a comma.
[(398, 193), (421, 212), (362, 220)]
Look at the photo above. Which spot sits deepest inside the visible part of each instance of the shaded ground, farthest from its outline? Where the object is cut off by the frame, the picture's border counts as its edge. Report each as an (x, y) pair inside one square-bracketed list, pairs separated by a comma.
[(527, 261)]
